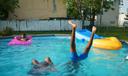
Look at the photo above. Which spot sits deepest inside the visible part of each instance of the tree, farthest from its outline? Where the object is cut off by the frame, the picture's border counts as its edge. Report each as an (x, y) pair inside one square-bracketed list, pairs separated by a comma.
[(72, 10), (91, 8), (6, 7)]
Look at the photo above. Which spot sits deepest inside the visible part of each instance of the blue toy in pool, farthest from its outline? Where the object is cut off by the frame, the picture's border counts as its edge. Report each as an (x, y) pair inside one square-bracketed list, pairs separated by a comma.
[(85, 34)]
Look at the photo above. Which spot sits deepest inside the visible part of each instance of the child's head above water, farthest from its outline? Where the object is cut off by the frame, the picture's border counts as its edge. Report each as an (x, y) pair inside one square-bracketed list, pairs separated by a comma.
[(23, 35)]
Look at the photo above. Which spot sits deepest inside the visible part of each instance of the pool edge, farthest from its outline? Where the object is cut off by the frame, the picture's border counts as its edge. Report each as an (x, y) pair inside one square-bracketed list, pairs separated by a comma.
[(35, 35)]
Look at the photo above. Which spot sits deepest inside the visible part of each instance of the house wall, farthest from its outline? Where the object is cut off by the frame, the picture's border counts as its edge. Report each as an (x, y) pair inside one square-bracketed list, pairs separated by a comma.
[(39, 9), (109, 18)]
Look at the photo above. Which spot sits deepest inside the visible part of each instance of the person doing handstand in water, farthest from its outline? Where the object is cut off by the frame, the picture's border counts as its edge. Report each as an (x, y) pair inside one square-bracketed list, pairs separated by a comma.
[(40, 67), (74, 55)]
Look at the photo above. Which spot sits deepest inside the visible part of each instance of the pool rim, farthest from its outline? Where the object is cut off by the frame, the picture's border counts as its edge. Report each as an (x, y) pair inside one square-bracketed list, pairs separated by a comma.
[(35, 35)]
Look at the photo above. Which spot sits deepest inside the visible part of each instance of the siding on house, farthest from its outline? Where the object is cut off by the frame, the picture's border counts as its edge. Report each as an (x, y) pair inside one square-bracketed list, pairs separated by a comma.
[(110, 18), (39, 9), (45, 9)]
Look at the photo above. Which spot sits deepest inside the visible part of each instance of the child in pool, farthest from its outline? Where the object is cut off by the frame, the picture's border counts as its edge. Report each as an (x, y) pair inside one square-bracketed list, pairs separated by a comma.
[(74, 56), (40, 67), (23, 37)]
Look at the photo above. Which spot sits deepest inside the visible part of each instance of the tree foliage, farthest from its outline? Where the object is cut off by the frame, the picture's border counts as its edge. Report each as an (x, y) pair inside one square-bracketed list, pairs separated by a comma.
[(90, 7), (6, 7)]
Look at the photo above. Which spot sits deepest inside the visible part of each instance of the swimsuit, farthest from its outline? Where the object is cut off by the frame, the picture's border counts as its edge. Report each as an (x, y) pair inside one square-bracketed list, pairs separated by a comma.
[(75, 57)]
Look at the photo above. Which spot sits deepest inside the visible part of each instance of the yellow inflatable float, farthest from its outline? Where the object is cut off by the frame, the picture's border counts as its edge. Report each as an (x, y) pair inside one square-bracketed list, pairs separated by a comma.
[(110, 43)]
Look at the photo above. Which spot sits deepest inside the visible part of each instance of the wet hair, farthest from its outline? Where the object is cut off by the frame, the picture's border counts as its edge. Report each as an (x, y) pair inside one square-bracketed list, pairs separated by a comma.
[(48, 58), (24, 35)]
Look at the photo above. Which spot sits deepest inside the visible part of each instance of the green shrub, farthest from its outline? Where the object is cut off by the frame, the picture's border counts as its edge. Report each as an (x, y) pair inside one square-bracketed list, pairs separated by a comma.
[(7, 31)]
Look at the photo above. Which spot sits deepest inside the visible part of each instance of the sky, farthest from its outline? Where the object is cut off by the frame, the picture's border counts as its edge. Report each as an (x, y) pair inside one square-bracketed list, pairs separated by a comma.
[(124, 7)]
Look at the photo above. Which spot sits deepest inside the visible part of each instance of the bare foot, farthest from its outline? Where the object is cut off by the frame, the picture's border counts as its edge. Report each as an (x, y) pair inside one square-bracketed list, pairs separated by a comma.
[(72, 24), (93, 29)]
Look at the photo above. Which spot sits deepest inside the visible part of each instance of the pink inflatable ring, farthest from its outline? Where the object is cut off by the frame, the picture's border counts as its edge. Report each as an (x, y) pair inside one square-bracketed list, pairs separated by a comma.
[(16, 41)]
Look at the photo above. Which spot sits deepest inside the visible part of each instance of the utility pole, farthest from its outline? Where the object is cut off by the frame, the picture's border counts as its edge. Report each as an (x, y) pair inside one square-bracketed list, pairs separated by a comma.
[(81, 11), (82, 15), (101, 12)]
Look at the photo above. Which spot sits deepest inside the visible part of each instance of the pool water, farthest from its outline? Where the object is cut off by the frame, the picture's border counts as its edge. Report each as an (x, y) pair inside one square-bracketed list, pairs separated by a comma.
[(16, 60)]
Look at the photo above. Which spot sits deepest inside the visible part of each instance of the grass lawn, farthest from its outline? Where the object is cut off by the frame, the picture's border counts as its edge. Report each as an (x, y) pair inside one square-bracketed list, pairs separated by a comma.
[(119, 32)]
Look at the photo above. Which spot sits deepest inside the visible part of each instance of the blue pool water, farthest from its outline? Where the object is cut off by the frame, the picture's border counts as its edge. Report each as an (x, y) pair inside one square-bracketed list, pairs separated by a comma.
[(16, 60)]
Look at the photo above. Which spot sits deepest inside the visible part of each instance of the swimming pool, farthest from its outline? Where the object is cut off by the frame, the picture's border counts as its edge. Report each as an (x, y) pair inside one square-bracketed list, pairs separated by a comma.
[(16, 60)]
